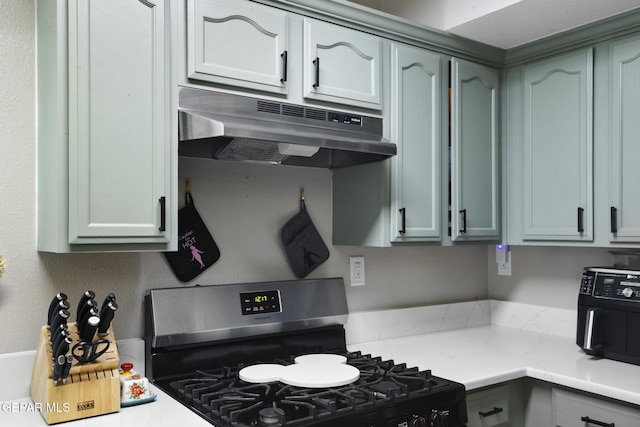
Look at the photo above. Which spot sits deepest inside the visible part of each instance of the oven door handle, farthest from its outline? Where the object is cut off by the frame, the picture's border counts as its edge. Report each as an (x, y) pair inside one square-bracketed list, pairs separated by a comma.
[(589, 326)]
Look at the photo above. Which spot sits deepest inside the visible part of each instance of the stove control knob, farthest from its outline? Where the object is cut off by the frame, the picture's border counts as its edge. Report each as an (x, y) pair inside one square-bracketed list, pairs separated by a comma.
[(418, 421), (438, 419), (627, 292)]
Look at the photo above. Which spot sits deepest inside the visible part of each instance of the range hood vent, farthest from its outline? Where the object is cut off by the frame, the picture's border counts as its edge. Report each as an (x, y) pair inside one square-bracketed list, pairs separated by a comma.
[(231, 127)]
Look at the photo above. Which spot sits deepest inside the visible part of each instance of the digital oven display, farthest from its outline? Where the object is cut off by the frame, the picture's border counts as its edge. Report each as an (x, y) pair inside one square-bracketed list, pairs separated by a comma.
[(260, 302)]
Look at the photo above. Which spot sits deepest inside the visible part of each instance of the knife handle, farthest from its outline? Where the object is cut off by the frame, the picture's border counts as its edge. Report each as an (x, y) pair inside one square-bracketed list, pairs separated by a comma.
[(62, 335), (82, 311), (90, 327), (58, 368), (87, 295), (106, 316), (66, 368), (59, 298), (60, 319), (93, 311)]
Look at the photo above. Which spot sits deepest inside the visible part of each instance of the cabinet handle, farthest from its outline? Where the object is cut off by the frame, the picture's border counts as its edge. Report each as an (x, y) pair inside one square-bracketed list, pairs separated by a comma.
[(494, 411), (284, 67), (403, 213), (463, 213), (163, 213), (580, 220), (316, 62), (614, 219), (597, 423)]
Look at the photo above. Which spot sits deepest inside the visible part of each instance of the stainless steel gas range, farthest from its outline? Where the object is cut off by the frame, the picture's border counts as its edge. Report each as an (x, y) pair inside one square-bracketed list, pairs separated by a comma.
[(274, 354)]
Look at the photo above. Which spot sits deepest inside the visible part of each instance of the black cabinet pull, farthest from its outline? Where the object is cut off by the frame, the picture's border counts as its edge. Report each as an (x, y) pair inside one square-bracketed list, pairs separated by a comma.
[(403, 213), (580, 220), (284, 67), (316, 62), (614, 219), (597, 423), (463, 213), (163, 214), (494, 411)]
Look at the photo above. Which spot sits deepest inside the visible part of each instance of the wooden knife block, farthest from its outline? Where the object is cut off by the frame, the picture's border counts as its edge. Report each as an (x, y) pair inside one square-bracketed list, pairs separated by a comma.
[(91, 388)]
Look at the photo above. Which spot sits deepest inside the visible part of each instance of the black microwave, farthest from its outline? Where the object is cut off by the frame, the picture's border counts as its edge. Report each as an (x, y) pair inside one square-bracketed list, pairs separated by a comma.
[(609, 314)]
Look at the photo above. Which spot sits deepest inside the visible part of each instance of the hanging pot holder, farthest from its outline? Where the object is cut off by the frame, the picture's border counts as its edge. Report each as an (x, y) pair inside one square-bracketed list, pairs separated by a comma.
[(197, 250), (304, 248)]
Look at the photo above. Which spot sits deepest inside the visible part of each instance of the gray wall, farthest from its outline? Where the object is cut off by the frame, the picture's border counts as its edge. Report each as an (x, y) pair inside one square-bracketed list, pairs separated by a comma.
[(243, 205)]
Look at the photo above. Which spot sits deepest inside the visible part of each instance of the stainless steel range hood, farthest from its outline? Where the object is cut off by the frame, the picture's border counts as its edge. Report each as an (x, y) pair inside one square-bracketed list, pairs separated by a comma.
[(231, 127)]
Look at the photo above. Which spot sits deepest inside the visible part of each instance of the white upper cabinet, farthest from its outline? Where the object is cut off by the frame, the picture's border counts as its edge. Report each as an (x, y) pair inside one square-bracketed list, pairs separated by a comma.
[(341, 65), (106, 144), (474, 151), (238, 43), (624, 150), (557, 148), (416, 111)]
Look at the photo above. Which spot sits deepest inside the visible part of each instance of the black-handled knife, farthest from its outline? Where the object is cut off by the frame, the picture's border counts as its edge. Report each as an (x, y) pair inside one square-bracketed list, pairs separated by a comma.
[(106, 316), (59, 319), (58, 367), (89, 329), (63, 347), (87, 295), (88, 305), (60, 296), (66, 368), (64, 334), (83, 323)]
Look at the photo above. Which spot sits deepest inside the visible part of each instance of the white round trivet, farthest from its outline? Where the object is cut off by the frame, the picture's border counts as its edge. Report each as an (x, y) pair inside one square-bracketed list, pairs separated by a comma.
[(261, 373), (314, 375), (320, 358)]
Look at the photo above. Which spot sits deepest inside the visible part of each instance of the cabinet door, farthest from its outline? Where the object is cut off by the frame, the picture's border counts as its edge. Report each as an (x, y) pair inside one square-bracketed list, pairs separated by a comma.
[(624, 153), (489, 408), (341, 65), (238, 43), (416, 105), (474, 151), (558, 145), (578, 410), (120, 155)]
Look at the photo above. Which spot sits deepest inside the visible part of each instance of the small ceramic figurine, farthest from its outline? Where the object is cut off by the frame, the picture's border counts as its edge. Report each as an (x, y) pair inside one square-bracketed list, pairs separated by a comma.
[(133, 387)]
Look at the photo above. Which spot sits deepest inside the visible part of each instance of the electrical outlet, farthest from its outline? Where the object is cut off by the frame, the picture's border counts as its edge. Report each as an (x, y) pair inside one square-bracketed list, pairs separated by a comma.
[(503, 259), (356, 268)]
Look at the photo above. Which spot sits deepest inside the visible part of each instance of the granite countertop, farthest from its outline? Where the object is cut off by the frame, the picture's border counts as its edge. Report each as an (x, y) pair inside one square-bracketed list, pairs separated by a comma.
[(464, 342)]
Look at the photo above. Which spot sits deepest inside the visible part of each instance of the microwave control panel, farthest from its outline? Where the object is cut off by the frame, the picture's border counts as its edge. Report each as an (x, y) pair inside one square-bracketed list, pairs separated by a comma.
[(610, 284)]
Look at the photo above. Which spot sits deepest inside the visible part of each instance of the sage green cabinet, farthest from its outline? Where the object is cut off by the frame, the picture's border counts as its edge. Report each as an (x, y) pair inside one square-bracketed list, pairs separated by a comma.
[(550, 146), (475, 124), (624, 138), (341, 65), (416, 110), (107, 158), (242, 44), (573, 409), (238, 43)]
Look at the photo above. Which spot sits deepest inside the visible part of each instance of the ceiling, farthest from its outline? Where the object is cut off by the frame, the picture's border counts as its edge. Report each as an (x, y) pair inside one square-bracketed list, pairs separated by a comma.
[(530, 20), (503, 23)]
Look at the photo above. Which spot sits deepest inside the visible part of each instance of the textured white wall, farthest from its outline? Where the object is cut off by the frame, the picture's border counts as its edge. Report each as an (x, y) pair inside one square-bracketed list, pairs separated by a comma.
[(243, 205)]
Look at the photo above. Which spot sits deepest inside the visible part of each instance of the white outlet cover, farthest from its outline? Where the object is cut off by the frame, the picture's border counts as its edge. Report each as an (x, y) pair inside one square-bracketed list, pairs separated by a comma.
[(356, 270)]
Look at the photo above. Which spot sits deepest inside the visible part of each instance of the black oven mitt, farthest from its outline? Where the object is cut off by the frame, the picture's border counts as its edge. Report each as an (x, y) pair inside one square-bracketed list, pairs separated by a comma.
[(197, 250), (302, 243)]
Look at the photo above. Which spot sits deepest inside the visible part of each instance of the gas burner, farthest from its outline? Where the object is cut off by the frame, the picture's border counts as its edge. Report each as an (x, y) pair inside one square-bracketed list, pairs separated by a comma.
[(273, 416)]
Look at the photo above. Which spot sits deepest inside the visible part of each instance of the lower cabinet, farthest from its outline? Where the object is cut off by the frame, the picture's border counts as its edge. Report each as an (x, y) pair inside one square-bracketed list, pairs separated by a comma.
[(489, 408), (572, 409), (528, 402)]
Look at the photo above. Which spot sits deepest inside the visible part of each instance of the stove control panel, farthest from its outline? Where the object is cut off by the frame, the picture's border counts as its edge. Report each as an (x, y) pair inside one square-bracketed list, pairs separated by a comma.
[(611, 284), (260, 302)]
